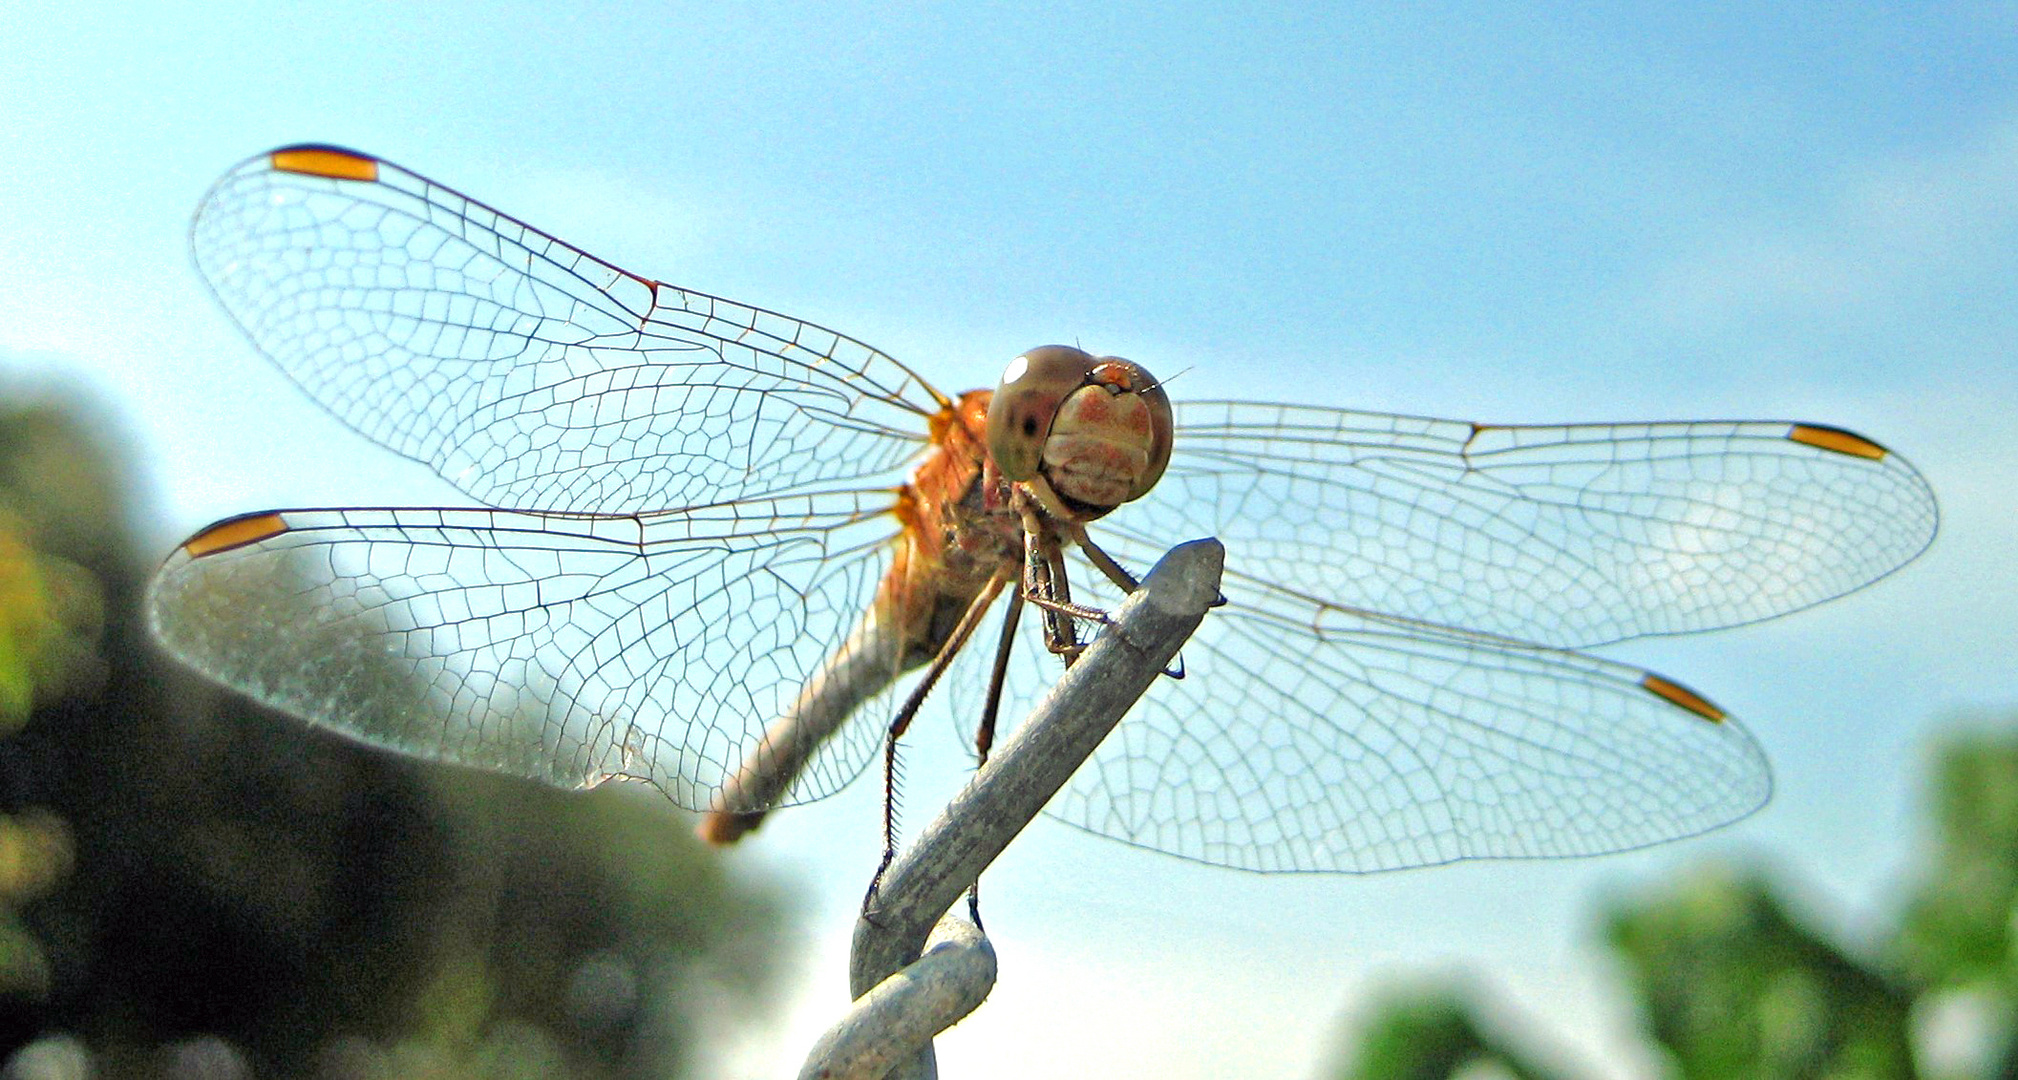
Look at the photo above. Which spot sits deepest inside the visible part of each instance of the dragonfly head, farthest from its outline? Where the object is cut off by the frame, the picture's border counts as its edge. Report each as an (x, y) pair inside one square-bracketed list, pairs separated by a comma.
[(1093, 430)]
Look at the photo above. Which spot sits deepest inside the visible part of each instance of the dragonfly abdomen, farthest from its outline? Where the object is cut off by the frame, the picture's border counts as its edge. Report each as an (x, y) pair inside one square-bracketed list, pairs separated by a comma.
[(867, 663)]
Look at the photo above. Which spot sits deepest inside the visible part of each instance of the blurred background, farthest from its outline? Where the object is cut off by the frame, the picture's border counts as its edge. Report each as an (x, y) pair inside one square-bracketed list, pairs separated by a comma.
[(1499, 213)]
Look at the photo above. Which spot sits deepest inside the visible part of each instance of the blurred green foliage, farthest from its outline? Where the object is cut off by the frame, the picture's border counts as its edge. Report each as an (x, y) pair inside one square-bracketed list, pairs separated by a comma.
[(1731, 985), (1435, 1032), (1958, 924), (60, 521), (191, 885)]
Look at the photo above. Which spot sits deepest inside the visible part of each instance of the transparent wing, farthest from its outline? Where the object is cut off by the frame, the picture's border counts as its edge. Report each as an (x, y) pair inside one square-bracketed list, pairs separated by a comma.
[(527, 373), (565, 648), (1568, 536), (1305, 738)]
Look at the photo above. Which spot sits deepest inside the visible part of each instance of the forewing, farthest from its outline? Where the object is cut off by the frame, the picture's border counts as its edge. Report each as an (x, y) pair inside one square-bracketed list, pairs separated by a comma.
[(564, 648), (1569, 536), (530, 374)]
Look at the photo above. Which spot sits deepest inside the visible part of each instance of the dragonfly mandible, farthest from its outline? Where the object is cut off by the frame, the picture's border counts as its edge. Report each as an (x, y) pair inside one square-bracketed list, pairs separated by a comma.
[(706, 528)]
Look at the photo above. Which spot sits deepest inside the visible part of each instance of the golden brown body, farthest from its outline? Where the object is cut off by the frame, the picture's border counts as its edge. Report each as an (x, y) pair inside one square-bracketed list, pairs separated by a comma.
[(960, 532)]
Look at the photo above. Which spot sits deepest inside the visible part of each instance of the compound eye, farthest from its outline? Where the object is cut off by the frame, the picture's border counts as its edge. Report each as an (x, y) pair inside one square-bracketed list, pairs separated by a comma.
[(1025, 403), (1129, 377)]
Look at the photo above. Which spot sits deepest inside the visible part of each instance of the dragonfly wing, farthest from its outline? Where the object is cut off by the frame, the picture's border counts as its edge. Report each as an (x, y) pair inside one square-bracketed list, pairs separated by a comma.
[(1569, 536), (528, 373), (1358, 744), (1305, 738), (566, 648)]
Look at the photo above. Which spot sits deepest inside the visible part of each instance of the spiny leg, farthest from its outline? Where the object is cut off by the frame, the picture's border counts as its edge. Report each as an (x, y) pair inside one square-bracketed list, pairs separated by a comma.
[(1075, 611), (1108, 565), (1120, 576), (902, 721), (984, 735), (1105, 562)]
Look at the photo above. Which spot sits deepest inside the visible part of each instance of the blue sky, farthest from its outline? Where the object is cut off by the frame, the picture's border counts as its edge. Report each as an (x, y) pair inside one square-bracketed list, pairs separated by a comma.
[(1497, 213)]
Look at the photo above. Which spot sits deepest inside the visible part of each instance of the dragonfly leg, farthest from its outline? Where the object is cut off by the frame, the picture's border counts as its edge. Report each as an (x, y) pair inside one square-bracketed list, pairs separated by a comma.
[(1105, 562), (1108, 565), (984, 734), (1075, 611), (1119, 575), (901, 723), (1045, 585), (889, 822)]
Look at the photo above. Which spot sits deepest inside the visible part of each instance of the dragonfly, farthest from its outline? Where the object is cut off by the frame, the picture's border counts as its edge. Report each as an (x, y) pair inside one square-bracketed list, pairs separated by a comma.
[(718, 549)]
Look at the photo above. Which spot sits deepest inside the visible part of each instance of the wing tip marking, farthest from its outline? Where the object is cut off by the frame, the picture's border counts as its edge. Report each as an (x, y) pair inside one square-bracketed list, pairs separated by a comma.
[(1676, 694), (235, 533), (1837, 440), (333, 162)]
